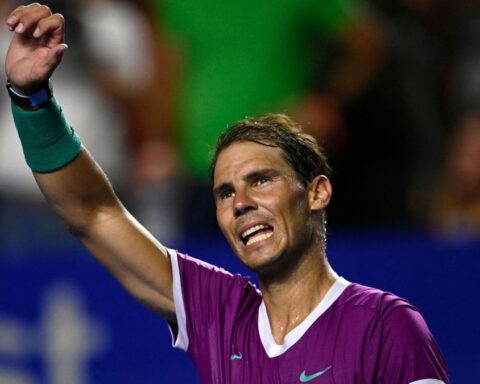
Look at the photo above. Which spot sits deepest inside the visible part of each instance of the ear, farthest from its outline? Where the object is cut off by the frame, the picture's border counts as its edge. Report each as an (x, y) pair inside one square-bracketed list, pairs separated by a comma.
[(319, 192)]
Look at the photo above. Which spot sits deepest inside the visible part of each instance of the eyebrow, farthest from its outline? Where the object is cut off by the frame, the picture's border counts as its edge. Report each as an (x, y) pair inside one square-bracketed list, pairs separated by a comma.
[(249, 177), (218, 191), (260, 173)]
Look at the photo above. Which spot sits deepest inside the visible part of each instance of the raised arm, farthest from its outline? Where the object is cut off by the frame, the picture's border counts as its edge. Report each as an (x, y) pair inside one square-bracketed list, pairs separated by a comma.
[(68, 176)]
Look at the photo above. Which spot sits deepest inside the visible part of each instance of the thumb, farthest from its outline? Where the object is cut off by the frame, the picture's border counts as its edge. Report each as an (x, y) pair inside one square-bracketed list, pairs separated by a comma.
[(55, 55)]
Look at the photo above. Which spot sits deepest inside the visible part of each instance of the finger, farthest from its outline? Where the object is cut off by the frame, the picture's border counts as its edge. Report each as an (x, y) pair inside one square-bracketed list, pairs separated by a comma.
[(54, 25), (12, 19), (27, 17), (56, 53)]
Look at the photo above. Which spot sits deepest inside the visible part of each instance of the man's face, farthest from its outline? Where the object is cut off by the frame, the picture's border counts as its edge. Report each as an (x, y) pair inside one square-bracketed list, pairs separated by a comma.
[(262, 208)]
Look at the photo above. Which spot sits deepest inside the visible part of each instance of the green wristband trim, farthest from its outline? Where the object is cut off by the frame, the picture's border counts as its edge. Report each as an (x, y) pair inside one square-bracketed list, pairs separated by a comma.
[(48, 141)]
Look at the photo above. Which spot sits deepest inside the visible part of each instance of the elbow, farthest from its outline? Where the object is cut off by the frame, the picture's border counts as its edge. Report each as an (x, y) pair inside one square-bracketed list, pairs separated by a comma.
[(85, 219)]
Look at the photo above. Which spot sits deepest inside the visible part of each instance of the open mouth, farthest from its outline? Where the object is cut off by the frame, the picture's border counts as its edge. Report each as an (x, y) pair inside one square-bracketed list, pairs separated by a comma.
[(256, 233)]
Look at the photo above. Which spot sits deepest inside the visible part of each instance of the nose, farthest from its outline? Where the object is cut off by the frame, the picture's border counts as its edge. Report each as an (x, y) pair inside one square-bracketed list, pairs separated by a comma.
[(242, 203)]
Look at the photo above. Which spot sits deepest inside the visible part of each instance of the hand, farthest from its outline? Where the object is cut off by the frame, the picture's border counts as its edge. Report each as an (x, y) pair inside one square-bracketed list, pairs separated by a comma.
[(37, 46)]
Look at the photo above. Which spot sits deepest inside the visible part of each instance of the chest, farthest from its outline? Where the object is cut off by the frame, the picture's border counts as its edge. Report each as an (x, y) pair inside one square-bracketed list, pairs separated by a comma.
[(330, 351)]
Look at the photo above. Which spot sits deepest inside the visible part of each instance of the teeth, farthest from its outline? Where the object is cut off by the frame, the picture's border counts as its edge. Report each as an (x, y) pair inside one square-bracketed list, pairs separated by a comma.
[(253, 229), (259, 237)]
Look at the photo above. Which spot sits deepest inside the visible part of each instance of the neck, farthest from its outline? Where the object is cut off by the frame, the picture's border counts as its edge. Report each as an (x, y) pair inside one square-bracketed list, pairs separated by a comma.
[(292, 298)]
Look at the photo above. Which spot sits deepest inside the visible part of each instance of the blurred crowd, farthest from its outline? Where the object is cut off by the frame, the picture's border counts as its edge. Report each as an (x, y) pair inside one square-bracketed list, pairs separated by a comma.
[(391, 90)]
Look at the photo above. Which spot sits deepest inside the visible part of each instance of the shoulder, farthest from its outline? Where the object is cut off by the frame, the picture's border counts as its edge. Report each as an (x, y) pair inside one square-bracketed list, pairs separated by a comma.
[(395, 332), (197, 276), (374, 299), (188, 263), (386, 312)]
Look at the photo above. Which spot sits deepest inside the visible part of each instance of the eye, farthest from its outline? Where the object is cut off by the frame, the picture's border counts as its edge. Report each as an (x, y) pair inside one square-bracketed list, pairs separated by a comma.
[(226, 194), (261, 180)]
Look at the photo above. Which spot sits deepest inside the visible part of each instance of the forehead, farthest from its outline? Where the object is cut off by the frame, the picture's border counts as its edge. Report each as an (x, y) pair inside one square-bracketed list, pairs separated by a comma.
[(245, 156)]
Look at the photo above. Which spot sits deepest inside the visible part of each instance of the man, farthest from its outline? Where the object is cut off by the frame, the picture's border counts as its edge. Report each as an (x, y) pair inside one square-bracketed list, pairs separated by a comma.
[(306, 324)]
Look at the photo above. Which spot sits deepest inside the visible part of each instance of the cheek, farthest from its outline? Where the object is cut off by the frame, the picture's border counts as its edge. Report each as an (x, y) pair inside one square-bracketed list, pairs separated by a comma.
[(295, 215), (222, 221), (219, 220)]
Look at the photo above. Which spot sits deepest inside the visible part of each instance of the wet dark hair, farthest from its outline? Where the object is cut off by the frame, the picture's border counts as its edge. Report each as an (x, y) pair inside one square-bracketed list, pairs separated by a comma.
[(300, 150)]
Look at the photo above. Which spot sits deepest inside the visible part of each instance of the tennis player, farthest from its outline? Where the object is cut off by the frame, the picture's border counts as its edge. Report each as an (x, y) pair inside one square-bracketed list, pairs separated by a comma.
[(305, 324)]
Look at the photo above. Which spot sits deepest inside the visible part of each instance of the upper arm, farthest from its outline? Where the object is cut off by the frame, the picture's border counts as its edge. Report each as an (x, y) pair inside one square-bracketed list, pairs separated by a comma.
[(137, 260), (84, 199)]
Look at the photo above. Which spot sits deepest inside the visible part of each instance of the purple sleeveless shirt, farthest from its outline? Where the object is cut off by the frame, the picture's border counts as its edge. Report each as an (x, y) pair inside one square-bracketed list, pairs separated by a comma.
[(356, 334)]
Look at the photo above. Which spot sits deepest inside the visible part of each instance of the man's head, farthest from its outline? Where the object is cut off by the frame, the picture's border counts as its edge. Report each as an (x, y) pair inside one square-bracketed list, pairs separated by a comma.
[(270, 190)]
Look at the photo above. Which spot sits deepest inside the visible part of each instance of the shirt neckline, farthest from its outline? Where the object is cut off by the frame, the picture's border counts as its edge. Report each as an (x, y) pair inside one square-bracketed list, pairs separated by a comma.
[(273, 349)]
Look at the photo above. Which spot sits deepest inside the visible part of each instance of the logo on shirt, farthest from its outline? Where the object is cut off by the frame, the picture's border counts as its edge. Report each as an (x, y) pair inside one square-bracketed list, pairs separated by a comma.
[(304, 378), (238, 356)]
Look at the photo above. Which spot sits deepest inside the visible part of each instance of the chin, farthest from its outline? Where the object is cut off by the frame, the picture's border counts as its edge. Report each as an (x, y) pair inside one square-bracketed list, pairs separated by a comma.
[(262, 265)]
